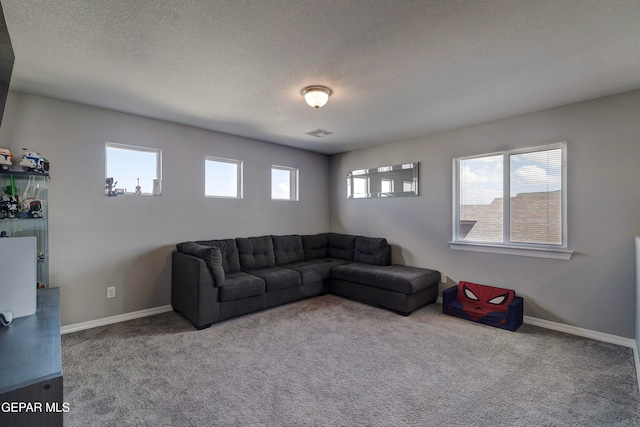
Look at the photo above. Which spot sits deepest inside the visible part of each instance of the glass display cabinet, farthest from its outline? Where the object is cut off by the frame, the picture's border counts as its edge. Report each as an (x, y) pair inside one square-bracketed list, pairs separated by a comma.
[(24, 212)]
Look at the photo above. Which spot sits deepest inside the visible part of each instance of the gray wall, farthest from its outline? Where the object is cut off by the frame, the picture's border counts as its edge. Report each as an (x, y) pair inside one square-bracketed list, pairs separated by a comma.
[(596, 288), (98, 241)]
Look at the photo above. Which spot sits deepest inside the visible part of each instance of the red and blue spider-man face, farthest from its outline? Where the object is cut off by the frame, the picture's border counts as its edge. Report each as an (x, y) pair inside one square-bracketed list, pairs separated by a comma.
[(481, 302)]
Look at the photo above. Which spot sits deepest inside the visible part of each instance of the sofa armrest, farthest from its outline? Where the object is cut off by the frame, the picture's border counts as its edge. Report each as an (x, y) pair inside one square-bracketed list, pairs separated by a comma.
[(448, 295), (193, 290), (515, 313)]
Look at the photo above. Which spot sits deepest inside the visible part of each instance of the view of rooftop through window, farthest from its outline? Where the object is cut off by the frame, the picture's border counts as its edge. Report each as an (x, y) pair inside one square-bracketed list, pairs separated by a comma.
[(533, 182)]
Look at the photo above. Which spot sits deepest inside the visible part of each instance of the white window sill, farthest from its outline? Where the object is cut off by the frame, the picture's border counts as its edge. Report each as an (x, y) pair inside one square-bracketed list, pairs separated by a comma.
[(512, 250)]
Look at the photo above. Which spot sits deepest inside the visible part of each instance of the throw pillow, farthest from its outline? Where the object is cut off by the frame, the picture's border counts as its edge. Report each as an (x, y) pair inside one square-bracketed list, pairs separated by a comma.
[(212, 258)]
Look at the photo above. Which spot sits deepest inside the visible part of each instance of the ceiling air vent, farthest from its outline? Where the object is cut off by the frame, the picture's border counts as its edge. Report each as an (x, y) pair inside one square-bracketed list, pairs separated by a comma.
[(319, 133)]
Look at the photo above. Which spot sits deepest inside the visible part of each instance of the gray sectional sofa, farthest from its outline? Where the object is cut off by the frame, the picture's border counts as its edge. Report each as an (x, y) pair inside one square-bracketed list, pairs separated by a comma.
[(215, 280)]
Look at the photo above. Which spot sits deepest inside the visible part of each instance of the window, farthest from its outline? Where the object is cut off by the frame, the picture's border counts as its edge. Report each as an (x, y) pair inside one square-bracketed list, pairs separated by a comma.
[(133, 167), (514, 200), (284, 183), (386, 185), (360, 186), (223, 178)]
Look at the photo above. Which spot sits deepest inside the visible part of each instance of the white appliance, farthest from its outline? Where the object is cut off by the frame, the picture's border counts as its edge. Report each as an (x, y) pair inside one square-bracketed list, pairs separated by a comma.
[(18, 279)]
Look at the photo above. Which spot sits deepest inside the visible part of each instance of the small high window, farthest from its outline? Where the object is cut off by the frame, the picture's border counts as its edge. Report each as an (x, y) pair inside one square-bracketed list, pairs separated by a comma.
[(284, 183), (135, 170), (223, 178)]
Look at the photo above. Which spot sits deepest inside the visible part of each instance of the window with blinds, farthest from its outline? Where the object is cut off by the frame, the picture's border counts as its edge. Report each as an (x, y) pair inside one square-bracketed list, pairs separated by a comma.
[(512, 198)]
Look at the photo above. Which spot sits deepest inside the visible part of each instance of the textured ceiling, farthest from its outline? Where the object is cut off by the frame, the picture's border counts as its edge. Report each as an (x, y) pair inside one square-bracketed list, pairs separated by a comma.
[(398, 68)]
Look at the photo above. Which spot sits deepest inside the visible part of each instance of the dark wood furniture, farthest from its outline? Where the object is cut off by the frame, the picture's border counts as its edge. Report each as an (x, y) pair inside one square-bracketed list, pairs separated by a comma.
[(31, 366)]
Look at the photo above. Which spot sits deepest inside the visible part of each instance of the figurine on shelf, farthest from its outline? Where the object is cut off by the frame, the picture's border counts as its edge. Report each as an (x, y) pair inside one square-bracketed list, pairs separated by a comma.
[(111, 187), (11, 190), (34, 162), (8, 206), (138, 188), (35, 208), (5, 158)]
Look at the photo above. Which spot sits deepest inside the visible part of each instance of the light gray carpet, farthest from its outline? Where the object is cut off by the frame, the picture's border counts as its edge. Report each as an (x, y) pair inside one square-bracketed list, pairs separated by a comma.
[(329, 361)]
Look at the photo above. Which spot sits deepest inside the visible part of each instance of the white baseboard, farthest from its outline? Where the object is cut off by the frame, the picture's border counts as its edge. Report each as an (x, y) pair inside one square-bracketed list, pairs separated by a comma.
[(114, 319), (587, 333)]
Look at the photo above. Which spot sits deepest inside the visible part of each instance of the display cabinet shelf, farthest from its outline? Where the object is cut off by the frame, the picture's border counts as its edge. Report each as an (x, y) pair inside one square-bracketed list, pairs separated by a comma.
[(24, 197)]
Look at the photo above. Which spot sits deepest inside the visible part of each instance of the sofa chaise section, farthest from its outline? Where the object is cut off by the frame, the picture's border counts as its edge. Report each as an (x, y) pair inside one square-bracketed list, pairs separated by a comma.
[(396, 287)]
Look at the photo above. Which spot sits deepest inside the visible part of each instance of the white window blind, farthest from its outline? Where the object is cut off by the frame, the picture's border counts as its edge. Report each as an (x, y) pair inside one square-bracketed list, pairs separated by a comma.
[(535, 209), (480, 208)]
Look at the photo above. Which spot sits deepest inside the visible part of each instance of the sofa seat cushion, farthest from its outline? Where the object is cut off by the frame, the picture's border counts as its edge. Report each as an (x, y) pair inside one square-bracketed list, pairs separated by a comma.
[(311, 272), (397, 278), (241, 285), (331, 262), (277, 277), (474, 314)]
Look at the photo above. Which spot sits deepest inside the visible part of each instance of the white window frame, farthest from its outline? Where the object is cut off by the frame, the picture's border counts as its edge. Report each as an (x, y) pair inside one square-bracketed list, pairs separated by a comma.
[(239, 174), (293, 183), (353, 181), (157, 151), (388, 181), (506, 246)]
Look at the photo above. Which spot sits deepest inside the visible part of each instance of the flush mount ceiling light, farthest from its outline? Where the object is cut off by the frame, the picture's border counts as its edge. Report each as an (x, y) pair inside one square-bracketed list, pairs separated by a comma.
[(316, 96)]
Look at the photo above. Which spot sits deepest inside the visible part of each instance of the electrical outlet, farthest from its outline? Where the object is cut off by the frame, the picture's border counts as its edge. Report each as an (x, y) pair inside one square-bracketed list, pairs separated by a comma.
[(443, 278), (111, 292)]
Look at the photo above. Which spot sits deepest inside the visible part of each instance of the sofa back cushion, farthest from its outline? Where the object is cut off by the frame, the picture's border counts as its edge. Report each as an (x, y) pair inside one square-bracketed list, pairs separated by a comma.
[(228, 251), (341, 246), (212, 257), (288, 249), (256, 252), (372, 250), (478, 300), (315, 245)]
